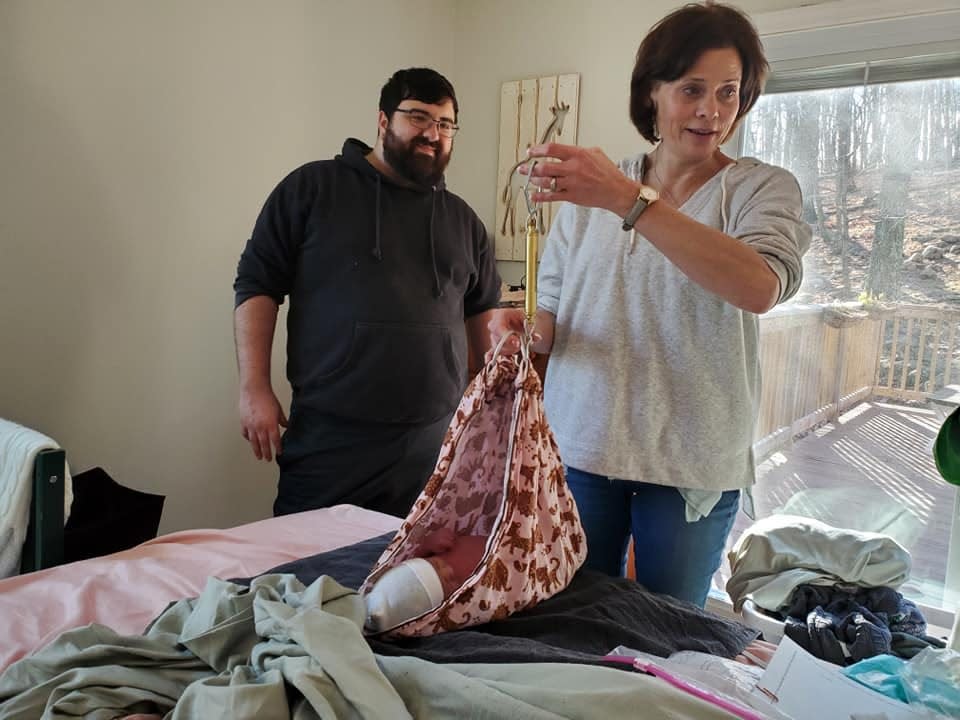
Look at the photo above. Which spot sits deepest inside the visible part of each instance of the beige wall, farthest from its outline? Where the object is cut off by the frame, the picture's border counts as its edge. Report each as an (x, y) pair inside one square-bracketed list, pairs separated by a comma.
[(138, 141)]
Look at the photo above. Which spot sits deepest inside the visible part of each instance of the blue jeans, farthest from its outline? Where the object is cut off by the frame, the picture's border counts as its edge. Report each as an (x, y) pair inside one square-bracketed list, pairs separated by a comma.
[(671, 555)]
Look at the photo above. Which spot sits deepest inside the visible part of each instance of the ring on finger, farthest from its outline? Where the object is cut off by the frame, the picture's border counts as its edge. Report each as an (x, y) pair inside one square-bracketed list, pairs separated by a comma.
[(553, 184)]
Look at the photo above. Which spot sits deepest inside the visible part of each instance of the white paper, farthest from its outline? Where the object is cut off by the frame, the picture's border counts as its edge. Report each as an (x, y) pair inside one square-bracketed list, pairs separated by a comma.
[(809, 689)]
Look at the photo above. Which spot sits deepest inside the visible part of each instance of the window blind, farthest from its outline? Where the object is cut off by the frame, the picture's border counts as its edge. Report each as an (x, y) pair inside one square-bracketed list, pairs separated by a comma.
[(921, 67)]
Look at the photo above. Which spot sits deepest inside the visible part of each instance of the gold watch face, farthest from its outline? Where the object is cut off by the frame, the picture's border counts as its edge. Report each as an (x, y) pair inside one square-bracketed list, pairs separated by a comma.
[(648, 193)]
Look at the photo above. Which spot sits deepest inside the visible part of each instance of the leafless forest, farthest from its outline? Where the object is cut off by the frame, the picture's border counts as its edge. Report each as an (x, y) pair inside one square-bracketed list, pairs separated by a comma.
[(879, 167)]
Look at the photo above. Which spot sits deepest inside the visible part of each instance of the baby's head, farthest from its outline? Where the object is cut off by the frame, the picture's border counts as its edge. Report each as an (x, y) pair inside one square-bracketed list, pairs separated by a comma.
[(434, 542), (420, 584), (459, 561)]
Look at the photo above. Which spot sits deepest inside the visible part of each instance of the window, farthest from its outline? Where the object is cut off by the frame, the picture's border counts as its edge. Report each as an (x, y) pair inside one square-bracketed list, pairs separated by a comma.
[(879, 168), (850, 364)]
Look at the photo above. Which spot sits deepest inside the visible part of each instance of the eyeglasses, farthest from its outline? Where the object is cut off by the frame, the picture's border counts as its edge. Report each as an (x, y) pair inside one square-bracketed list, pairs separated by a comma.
[(423, 121)]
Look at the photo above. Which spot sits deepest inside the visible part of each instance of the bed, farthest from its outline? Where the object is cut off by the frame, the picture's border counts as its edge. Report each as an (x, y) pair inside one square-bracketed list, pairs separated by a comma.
[(126, 590), (542, 663), (43, 546)]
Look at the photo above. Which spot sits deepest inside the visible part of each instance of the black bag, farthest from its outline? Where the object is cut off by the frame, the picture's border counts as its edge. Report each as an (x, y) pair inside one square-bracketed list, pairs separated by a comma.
[(107, 517)]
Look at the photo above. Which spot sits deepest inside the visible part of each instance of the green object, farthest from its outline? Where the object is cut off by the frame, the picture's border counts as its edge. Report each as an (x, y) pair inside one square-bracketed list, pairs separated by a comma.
[(43, 547), (946, 448)]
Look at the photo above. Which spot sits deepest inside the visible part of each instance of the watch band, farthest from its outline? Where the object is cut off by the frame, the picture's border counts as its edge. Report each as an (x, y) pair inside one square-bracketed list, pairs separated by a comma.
[(645, 198)]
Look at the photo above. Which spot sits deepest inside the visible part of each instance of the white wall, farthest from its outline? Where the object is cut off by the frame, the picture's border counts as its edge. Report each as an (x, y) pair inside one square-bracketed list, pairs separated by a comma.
[(138, 141)]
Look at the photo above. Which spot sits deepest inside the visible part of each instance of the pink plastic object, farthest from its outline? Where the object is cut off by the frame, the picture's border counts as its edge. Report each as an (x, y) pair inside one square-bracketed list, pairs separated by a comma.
[(643, 666)]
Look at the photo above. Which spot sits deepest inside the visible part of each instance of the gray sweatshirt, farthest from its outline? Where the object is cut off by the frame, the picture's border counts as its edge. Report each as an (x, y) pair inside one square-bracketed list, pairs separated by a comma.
[(653, 378)]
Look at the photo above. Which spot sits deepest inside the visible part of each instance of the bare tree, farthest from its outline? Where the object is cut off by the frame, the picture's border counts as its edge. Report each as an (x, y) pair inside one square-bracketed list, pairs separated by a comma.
[(844, 127), (884, 274), (804, 150)]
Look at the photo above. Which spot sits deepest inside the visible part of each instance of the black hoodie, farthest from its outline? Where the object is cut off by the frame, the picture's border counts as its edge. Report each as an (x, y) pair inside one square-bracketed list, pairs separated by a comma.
[(380, 278)]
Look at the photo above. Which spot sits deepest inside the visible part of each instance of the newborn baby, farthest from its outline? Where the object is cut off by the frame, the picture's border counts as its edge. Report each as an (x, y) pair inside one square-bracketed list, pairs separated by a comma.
[(420, 584)]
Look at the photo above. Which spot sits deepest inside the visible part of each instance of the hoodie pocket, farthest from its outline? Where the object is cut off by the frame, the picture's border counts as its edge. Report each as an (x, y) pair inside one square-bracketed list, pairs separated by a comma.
[(402, 373)]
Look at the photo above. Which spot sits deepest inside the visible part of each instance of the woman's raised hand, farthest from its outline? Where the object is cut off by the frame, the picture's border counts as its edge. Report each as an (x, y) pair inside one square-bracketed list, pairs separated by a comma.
[(583, 176)]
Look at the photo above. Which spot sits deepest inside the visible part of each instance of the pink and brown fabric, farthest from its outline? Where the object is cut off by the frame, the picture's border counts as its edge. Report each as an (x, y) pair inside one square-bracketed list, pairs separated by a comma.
[(499, 476)]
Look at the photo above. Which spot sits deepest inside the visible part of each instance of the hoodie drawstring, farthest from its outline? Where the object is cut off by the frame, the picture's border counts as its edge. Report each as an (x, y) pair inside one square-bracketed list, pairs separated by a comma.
[(437, 290), (377, 252)]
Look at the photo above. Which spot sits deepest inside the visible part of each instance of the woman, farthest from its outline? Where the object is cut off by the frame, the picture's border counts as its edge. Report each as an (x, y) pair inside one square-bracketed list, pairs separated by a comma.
[(650, 286)]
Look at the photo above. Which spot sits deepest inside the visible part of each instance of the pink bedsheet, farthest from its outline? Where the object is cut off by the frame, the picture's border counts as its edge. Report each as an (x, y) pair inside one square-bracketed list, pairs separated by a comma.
[(128, 589)]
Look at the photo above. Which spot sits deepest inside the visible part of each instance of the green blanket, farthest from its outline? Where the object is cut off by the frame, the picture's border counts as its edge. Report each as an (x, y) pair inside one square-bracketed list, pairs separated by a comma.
[(280, 650)]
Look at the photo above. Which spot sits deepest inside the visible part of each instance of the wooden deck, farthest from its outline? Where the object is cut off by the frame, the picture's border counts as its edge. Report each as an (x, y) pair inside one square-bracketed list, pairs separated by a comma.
[(873, 470)]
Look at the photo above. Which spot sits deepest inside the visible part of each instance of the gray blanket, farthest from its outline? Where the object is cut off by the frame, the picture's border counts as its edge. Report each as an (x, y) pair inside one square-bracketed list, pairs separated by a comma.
[(595, 614), (281, 650)]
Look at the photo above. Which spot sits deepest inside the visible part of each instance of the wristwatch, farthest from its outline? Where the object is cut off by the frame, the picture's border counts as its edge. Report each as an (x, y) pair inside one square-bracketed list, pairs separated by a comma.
[(646, 197)]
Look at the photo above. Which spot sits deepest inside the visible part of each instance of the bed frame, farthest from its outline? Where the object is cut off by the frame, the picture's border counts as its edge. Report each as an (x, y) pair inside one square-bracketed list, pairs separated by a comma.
[(43, 547)]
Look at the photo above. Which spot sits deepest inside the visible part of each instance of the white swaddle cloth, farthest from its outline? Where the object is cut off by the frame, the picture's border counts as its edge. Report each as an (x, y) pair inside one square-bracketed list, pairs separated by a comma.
[(410, 589)]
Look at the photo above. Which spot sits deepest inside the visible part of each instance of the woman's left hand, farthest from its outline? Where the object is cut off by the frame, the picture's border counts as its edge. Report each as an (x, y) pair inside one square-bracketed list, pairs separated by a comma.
[(583, 176)]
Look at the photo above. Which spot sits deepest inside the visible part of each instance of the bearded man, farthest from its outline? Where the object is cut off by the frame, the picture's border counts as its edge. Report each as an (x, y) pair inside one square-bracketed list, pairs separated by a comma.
[(392, 282)]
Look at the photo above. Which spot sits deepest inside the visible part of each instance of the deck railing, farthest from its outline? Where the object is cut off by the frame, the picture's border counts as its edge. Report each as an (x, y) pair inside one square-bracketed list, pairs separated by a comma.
[(818, 360)]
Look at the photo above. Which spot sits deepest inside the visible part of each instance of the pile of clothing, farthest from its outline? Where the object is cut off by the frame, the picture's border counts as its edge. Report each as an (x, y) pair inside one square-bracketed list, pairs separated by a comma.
[(834, 589), (845, 624)]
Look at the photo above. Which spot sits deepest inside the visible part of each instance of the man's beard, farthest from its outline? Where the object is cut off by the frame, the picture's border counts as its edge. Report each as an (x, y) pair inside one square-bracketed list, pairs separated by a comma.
[(415, 166)]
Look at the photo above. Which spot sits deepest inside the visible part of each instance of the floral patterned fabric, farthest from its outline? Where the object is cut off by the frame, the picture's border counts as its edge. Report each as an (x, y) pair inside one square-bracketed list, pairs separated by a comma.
[(498, 475)]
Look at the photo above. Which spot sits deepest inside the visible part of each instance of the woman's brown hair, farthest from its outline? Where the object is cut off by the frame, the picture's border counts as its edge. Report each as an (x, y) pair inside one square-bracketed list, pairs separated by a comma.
[(675, 43)]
